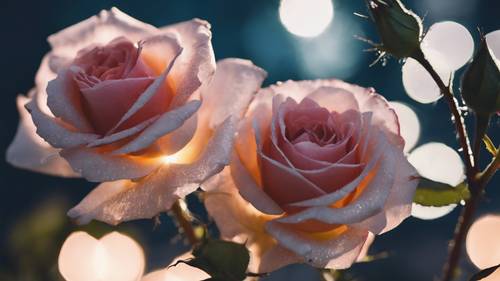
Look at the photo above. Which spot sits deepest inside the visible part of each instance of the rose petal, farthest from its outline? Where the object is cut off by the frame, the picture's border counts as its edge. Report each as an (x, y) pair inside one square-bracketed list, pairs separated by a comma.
[(250, 190), (65, 101), (123, 134), (55, 133), (368, 101), (165, 124), (335, 99), (339, 252), (370, 202), (109, 100), (279, 181), (128, 200), (179, 138), (147, 95), (96, 166), (398, 205), (197, 63), (234, 84), (29, 151), (240, 222), (98, 29)]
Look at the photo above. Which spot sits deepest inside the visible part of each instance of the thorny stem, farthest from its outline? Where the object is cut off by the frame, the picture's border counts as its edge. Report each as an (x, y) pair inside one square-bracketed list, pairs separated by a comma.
[(476, 187), (455, 111), (184, 221), (482, 123)]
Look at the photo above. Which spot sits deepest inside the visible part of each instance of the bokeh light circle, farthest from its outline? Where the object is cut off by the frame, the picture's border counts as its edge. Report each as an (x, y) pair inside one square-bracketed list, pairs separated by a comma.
[(493, 40), (452, 41), (306, 18), (408, 124), (483, 243), (418, 83), (440, 163)]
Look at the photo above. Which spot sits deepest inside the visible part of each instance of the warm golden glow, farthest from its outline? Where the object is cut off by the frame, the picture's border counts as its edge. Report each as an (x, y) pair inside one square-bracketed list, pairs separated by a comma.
[(306, 18), (114, 257)]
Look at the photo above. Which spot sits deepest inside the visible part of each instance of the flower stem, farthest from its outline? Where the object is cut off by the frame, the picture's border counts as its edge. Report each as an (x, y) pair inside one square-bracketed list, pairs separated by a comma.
[(482, 123), (184, 222), (465, 220), (455, 111)]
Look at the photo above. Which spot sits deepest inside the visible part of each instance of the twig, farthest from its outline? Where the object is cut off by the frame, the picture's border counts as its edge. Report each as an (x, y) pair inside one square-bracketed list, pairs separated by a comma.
[(184, 223), (471, 171)]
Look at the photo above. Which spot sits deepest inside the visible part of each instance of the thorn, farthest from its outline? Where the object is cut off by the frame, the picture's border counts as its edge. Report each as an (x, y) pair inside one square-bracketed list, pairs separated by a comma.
[(361, 15)]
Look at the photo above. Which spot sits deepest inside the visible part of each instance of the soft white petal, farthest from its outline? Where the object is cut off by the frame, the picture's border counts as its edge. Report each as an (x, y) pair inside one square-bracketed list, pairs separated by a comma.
[(166, 123), (340, 252), (53, 131), (97, 166), (147, 197), (229, 92), (29, 151)]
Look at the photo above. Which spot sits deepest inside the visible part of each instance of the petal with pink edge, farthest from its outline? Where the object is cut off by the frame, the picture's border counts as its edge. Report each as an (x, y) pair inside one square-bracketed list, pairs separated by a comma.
[(96, 166), (166, 123), (340, 252), (54, 131), (147, 197), (29, 151), (398, 205), (240, 222), (234, 84), (196, 65), (99, 29), (65, 101)]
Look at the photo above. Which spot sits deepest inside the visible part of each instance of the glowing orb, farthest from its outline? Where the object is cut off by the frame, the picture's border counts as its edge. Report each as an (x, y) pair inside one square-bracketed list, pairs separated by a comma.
[(408, 123), (452, 41), (306, 18), (418, 83), (114, 257), (482, 243), (440, 163)]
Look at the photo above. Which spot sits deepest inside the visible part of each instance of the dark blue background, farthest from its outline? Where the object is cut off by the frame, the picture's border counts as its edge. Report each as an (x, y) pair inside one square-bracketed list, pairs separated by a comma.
[(247, 29)]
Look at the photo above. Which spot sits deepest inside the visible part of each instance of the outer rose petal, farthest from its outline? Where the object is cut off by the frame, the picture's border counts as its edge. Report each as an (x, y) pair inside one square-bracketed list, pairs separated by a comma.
[(340, 252), (240, 222), (54, 131), (168, 122), (96, 166), (234, 82), (29, 151), (398, 205), (98, 29), (197, 63), (65, 101), (233, 86), (125, 200)]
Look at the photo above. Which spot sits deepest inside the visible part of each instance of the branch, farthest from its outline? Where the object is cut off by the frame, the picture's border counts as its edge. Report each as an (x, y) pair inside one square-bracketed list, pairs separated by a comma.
[(184, 222), (471, 170)]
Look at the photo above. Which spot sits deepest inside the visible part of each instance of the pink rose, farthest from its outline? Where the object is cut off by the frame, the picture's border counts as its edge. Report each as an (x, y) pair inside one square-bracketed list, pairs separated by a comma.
[(132, 105), (318, 168)]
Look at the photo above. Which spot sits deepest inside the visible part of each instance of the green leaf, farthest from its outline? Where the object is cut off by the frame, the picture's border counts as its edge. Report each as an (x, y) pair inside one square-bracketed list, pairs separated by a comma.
[(222, 260), (437, 194), (484, 273), (489, 145)]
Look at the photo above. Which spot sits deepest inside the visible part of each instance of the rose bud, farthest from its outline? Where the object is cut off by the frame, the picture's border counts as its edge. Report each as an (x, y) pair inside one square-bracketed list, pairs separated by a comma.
[(399, 28), (317, 170), (480, 86), (136, 107)]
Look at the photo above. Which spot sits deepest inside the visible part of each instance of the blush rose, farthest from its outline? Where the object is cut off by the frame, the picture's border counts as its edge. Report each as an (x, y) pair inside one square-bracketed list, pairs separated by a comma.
[(119, 100), (318, 169)]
